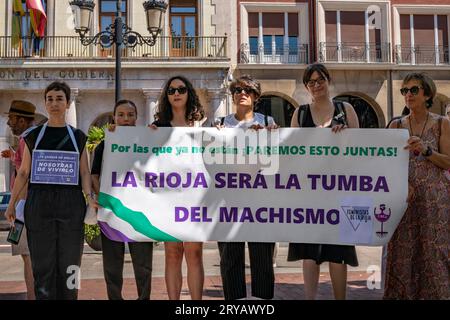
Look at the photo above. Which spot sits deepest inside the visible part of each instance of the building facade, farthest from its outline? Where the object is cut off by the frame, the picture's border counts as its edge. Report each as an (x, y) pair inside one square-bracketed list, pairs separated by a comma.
[(194, 43), (368, 46)]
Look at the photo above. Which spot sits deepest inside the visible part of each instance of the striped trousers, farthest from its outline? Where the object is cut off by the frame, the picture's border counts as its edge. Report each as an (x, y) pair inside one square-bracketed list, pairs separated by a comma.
[(232, 269)]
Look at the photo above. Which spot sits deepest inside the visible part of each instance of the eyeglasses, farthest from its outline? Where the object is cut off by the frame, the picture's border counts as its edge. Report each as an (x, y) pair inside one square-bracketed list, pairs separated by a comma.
[(414, 90), (181, 90), (239, 90), (312, 82)]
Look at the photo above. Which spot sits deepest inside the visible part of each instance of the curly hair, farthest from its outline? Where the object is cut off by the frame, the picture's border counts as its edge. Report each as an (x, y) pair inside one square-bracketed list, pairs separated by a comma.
[(194, 109)]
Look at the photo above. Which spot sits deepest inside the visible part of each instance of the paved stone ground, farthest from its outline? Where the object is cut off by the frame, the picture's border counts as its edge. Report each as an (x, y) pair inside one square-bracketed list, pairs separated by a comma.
[(289, 286)]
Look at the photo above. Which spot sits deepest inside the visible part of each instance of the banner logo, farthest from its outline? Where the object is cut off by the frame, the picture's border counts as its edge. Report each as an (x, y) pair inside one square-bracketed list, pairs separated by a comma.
[(356, 215), (382, 216)]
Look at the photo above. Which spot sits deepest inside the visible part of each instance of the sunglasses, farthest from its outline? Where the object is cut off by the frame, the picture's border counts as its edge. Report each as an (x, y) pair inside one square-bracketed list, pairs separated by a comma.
[(247, 90), (181, 90), (312, 83), (414, 90)]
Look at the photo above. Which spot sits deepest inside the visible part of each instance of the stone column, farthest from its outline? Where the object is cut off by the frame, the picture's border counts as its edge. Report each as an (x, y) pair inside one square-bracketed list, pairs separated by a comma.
[(218, 101), (71, 116), (151, 102)]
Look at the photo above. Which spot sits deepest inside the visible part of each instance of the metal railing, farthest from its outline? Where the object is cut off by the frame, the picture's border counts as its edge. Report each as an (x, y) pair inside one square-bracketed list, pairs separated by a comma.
[(435, 55), (277, 55), (67, 47), (348, 52)]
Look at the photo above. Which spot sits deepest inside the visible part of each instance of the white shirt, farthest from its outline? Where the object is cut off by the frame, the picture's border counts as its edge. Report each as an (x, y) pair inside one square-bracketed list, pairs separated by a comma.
[(230, 121)]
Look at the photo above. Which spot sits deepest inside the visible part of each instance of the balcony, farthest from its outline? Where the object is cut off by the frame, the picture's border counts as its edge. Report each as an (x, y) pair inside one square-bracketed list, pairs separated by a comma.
[(422, 55), (287, 54), (70, 47), (354, 52)]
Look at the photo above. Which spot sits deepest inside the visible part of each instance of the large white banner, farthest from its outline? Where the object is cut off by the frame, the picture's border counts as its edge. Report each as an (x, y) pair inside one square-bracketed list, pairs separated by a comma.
[(289, 185)]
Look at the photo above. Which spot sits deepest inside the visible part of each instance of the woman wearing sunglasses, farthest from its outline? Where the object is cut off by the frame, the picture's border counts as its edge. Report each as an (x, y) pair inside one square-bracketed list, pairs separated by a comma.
[(246, 91), (323, 112), (179, 106), (417, 261)]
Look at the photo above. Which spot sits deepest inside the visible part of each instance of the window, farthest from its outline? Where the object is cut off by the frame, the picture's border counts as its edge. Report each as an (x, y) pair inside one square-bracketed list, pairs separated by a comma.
[(280, 36), (108, 13), (293, 45), (267, 42), (183, 27), (419, 46)]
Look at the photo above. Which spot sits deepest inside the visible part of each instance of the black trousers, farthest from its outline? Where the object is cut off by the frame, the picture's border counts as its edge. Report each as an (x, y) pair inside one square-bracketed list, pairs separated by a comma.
[(113, 259), (54, 220), (232, 269)]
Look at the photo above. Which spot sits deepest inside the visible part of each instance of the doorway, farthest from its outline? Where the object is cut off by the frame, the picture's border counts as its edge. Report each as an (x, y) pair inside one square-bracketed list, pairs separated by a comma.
[(366, 114)]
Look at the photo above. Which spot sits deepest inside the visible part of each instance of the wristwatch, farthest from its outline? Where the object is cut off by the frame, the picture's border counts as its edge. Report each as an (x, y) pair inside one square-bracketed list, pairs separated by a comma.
[(428, 152)]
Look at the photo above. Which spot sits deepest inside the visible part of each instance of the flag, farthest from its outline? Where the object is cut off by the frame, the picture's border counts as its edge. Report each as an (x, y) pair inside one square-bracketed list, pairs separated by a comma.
[(17, 8), (16, 21), (37, 16)]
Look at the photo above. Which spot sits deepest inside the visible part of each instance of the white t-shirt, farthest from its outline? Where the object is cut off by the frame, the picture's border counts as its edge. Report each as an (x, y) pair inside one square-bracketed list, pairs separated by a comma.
[(230, 121)]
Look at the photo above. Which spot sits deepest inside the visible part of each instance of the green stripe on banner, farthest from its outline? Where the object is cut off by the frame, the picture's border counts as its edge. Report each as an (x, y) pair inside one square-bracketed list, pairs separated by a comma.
[(136, 219)]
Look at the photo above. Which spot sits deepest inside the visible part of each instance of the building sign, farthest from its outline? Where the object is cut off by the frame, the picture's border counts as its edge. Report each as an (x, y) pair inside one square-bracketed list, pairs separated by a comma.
[(51, 75)]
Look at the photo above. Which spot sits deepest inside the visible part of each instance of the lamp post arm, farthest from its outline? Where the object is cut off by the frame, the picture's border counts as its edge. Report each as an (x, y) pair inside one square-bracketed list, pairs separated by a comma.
[(131, 39), (86, 41)]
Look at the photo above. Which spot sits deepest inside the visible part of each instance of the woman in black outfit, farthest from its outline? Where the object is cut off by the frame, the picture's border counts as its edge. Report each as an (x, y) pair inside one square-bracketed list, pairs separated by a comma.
[(113, 250), (55, 208), (323, 113)]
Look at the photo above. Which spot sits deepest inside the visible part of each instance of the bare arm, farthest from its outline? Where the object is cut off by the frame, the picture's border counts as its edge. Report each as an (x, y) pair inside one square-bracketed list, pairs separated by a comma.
[(19, 184), (352, 117), (86, 179), (95, 183), (440, 159), (294, 120)]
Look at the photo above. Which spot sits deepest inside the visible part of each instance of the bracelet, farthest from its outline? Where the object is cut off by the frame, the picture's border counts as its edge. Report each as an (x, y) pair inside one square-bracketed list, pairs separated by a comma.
[(428, 152), (92, 195)]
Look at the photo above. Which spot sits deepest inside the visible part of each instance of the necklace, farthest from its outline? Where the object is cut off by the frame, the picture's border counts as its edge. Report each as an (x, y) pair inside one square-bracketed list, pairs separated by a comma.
[(416, 153)]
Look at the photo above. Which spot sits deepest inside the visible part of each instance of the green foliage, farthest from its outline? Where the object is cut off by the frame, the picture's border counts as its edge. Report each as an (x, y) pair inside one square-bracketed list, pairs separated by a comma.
[(91, 232), (94, 137)]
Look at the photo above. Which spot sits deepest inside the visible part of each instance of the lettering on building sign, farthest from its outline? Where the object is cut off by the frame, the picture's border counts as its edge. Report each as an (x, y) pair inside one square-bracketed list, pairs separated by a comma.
[(26, 75)]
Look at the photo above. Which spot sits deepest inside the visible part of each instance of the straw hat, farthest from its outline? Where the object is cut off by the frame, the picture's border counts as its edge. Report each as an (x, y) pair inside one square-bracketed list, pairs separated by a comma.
[(22, 108)]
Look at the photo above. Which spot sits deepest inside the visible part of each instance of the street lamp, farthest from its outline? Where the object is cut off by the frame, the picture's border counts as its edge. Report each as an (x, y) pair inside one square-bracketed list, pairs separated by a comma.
[(118, 33)]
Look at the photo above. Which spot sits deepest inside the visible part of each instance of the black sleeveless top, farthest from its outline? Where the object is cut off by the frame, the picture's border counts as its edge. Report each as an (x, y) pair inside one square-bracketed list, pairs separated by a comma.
[(308, 122), (52, 137)]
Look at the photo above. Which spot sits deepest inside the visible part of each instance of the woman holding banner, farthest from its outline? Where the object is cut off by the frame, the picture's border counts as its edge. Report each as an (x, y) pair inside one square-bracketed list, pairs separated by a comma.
[(246, 91), (179, 106), (113, 246), (323, 112), (418, 253), (55, 206)]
